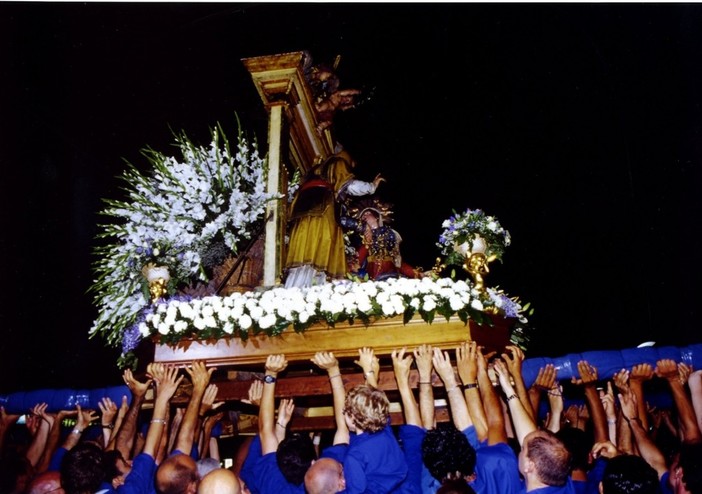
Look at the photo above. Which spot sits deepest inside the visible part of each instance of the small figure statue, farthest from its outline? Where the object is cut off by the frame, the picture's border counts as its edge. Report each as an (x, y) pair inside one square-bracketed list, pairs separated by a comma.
[(379, 254), (328, 98), (477, 266)]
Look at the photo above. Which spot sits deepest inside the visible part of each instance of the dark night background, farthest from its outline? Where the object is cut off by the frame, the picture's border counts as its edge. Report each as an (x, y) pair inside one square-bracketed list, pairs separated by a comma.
[(578, 125)]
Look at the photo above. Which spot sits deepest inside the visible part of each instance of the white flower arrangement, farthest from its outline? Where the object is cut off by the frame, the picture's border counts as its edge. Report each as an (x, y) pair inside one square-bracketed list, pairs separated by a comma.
[(273, 311), (171, 217), (463, 227)]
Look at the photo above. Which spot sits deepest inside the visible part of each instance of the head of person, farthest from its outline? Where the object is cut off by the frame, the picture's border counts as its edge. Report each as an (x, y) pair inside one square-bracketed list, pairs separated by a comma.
[(447, 454), (579, 444), (177, 474), (371, 217), (325, 476), (219, 481), (46, 483), (545, 458), (15, 473), (688, 468), (83, 469), (366, 409), (629, 474), (294, 456), (116, 468)]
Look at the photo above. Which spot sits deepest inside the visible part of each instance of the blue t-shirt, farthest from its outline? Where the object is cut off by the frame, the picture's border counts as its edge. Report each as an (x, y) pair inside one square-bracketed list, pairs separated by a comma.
[(567, 488), (270, 480), (374, 463), (140, 479), (248, 468), (411, 437)]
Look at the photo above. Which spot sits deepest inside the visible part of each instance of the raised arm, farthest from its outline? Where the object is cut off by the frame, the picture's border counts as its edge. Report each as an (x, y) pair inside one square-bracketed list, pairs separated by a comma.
[(40, 434), (545, 381), (588, 380), (200, 377), (423, 355), (459, 409), (467, 365), (649, 451), (523, 423), (668, 370), (166, 385), (513, 358), (639, 374), (125, 436), (609, 406), (328, 362), (694, 382), (266, 413), (108, 412), (401, 363), (285, 412), (369, 363)]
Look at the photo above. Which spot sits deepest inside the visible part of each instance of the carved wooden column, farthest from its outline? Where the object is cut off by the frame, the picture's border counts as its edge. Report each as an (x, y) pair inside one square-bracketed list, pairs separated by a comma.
[(281, 83)]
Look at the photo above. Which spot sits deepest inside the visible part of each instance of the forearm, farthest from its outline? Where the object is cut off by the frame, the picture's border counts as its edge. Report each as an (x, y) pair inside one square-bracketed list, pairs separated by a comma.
[(494, 414), (38, 444), (125, 436), (186, 435), (688, 423), (339, 397), (636, 386), (409, 404), (597, 413), (695, 385), (426, 399)]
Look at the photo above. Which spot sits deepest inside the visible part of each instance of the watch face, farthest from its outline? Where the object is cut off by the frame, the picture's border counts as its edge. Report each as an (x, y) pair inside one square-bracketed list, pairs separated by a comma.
[(269, 379)]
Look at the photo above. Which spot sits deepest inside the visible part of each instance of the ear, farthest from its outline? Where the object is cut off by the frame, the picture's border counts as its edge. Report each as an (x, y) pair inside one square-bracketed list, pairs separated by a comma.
[(599, 487)]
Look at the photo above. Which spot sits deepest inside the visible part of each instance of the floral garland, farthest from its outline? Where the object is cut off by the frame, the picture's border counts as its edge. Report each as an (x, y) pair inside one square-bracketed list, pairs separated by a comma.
[(273, 311), (463, 228), (188, 214)]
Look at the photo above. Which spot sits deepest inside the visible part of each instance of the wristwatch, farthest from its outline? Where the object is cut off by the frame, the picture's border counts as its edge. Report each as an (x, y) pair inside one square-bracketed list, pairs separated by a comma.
[(269, 379)]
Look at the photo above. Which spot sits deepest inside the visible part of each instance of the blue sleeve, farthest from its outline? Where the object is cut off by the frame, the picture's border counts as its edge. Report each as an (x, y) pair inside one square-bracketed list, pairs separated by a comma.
[(336, 452), (472, 436), (411, 437), (56, 459), (141, 479), (248, 470)]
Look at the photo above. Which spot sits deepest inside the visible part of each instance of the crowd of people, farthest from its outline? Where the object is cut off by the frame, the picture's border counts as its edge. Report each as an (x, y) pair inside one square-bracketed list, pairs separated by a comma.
[(498, 439)]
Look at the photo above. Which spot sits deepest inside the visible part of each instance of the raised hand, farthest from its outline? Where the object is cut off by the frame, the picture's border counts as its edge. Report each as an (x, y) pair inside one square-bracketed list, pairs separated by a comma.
[(199, 375), (640, 373), (325, 360), (401, 364), (546, 378), (467, 362), (276, 363), (255, 393), (588, 374), (423, 355), (621, 381), (285, 411), (108, 410), (136, 387)]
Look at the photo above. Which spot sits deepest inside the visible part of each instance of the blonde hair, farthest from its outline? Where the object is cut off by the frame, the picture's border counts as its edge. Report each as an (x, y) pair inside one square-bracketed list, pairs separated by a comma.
[(368, 407)]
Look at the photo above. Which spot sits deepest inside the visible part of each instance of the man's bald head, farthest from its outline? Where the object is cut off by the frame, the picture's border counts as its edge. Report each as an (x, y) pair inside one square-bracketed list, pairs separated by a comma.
[(219, 481), (325, 476)]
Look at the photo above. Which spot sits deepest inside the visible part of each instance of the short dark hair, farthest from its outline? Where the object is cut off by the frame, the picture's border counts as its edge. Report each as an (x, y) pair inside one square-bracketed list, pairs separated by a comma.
[(83, 468), (446, 450), (629, 474), (294, 456), (579, 443), (455, 486), (550, 456)]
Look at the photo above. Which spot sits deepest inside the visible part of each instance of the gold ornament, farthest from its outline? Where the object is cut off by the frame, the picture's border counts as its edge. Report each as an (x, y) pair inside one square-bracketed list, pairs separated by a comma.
[(158, 277)]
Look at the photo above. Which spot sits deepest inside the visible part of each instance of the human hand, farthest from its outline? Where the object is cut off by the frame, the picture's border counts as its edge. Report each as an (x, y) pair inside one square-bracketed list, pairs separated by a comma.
[(546, 378), (467, 362), (588, 374), (84, 417), (571, 415), (108, 410), (621, 381), (208, 399), (401, 364), (513, 357), (285, 411), (605, 449), (667, 369), (7, 419), (367, 360), (555, 399), (325, 360), (503, 376), (199, 375), (607, 399), (423, 357), (276, 363), (640, 373), (168, 382), (443, 367), (39, 410), (627, 402), (255, 393), (378, 180), (136, 387)]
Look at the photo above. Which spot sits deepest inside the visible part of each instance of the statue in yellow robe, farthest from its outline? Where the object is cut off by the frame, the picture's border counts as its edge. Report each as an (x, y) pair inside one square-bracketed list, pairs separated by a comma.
[(316, 248)]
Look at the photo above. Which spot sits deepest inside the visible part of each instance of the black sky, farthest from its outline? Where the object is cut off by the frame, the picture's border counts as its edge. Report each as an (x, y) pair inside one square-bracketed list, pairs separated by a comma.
[(578, 125)]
